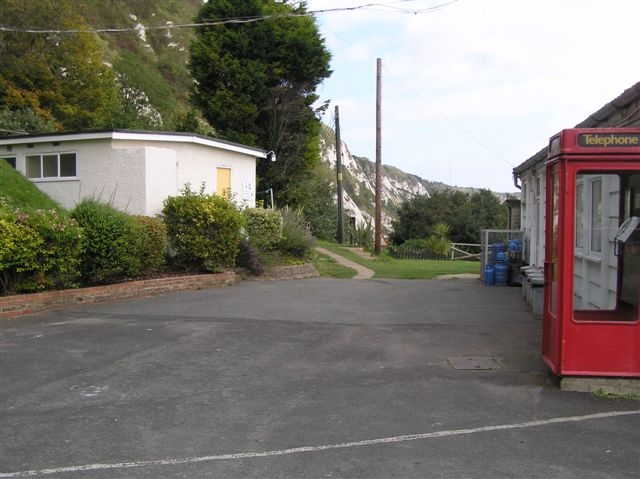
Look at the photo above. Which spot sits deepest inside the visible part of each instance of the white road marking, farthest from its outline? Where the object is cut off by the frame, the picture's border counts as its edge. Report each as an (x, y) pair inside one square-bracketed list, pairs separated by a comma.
[(327, 447)]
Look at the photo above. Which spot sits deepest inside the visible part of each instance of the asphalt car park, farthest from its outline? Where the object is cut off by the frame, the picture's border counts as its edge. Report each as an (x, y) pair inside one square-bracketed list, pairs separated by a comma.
[(301, 378)]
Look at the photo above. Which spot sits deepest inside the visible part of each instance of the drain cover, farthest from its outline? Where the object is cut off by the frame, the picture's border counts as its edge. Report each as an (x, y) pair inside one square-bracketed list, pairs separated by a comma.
[(474, 362)]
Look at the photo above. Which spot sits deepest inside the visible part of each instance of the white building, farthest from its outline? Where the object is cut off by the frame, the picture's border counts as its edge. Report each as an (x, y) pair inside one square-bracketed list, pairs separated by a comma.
[(134, 171), (623, 111)]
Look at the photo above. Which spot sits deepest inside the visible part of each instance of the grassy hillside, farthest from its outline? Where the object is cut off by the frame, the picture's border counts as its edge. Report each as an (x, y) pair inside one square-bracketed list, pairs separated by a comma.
[(18, 192), (150, 62)]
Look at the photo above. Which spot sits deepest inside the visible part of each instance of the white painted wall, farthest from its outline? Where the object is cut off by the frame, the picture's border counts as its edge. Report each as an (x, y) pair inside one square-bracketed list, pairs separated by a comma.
[(170, 167), (533, 183), (136, 172)]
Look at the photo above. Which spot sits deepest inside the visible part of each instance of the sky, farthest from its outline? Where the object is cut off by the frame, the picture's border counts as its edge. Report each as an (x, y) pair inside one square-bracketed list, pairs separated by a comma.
[(472, 88)]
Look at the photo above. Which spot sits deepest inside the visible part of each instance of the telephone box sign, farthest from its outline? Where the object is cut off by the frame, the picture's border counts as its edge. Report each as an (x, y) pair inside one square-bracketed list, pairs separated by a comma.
[(600, 140)]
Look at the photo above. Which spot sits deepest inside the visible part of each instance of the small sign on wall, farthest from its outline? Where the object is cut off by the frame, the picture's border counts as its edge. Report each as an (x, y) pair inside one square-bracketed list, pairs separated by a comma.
[(248, 191)]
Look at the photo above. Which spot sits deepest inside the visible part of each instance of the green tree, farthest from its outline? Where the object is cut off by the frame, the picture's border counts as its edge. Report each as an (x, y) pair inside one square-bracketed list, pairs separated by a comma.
[(255, 83), (466, 214), (59, 78), (438, 242)]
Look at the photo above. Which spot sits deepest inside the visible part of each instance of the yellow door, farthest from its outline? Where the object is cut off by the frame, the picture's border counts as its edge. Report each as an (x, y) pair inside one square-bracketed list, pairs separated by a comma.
[(223, 181)]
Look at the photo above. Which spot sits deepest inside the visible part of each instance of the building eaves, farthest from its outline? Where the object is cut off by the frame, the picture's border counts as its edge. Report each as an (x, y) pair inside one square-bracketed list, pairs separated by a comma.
[(602, 118), (168, 136)]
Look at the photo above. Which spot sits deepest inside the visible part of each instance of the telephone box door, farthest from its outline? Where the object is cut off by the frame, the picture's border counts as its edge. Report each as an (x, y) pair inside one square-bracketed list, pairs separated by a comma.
[(552, 327)]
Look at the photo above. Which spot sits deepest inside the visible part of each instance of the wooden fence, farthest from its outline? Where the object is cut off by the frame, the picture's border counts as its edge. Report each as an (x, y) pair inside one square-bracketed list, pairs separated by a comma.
[(466, 251), (459, 252)]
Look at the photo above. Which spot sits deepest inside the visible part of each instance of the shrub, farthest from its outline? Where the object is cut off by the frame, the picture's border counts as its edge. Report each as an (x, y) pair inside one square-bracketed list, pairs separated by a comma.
[(362, 235), (438, 242), (296, 238), (112, 242), (203, 230), (19, 245), (249, 257), (39, 249), (263, 227), (416, 243), (154, 243)]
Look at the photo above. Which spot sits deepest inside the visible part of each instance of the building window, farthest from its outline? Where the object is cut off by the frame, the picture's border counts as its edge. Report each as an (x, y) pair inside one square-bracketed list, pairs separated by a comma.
[(11, 160), (590, 214), (51, 165)]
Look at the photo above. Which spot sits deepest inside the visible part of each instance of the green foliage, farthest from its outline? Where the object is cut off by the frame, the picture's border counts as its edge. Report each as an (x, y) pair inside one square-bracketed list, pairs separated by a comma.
[(39, 249), (296, 235), (250, 258), (328, 267), (16, 191), (416, 243), (113, 242), (24, 121), (438, 242), (59, 78), (317, 198), (263, 227), (363, 235), (386, 266), (203, 230), (466, 214), (19, 246), (255, 84), (153, 245), (143, 92)]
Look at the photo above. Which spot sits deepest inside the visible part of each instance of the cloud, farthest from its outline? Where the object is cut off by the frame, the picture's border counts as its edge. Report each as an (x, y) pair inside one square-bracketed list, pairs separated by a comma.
[(509, 72)]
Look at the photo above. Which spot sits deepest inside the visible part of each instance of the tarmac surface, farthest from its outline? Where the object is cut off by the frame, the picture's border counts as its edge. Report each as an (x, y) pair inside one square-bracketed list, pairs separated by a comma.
[(309, 378)]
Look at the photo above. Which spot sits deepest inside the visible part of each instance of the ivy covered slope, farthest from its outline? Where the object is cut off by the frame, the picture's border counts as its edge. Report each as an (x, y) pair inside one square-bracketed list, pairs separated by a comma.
[(134, 78), (151, 63)]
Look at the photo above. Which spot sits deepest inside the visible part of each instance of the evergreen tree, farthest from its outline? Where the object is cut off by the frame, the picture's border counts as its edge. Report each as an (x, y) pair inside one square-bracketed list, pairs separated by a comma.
[(255, 83)]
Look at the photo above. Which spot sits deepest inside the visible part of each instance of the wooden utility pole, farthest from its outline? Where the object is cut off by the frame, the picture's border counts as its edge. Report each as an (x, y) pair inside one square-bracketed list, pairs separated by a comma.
[(378, 222), (339, 179)]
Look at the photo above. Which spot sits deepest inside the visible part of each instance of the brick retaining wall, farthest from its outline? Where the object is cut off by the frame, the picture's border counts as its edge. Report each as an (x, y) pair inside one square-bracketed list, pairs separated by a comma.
[(21, 304)]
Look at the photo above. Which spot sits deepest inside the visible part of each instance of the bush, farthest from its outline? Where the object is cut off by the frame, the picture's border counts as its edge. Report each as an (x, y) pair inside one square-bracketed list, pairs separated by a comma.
[(296, 238), (416, 243), (154, 244), (113, 242), (203, 230), (39, 249), (249, 257), (19, 247), (362, 235), (263, 227)]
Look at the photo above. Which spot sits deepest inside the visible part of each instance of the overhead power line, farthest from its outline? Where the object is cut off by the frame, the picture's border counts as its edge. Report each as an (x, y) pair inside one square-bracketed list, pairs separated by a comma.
[(390, 7)]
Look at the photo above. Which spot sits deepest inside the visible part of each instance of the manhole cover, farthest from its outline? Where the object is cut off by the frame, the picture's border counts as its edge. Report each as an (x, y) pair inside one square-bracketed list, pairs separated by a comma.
[(474, 362)]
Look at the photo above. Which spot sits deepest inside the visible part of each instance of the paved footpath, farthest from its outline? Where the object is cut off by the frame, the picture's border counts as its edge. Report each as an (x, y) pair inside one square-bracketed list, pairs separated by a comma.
[(362, 271), (309, 378)]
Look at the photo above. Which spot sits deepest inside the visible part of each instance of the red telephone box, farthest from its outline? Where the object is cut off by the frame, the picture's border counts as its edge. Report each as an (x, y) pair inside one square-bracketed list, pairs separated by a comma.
[(591, 323)]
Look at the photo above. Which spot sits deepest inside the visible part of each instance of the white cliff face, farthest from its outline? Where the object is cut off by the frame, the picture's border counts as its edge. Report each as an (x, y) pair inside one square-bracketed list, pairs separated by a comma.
[(359, 178)]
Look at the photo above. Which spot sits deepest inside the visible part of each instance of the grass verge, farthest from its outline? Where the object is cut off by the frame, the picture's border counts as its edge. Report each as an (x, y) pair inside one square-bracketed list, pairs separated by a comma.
[(391, 268), (329, 268)]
